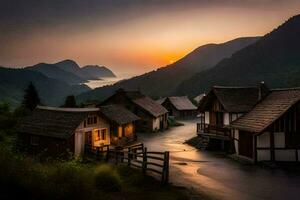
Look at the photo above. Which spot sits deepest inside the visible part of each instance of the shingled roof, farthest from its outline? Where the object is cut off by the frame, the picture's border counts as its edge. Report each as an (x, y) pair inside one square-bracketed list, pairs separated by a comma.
[(142, 101), (233, 99), (180, 103), (268, 110), (150, 106), (161, 100), (54, 122), (118, 114)]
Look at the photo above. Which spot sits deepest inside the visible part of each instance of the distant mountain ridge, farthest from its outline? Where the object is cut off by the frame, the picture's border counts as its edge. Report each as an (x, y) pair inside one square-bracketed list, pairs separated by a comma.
[(275, 59), (70, 72), (164, 81), (98, 71), (55, 72), (51, 91)]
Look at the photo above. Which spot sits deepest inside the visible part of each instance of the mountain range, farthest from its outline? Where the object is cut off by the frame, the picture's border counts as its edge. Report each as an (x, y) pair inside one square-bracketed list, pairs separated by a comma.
[(164, 81), (70, 72), (273, 58), (51, 91), (53, 81)]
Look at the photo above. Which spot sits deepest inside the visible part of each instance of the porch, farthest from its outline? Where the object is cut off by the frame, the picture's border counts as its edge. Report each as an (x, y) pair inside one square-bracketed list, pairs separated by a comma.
[(213, 131)]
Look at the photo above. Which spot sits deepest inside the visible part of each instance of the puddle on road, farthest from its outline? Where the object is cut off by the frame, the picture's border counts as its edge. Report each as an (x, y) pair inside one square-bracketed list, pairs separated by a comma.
[(180, 163)]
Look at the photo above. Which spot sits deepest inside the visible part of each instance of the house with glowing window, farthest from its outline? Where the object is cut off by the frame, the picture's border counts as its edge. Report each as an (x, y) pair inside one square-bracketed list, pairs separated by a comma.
[(122, 124), (59, 131), (153, 116)]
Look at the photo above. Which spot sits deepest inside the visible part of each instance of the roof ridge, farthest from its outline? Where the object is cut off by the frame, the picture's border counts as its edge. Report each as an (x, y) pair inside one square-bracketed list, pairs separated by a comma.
[(285, 89), (57, 109), (233, 87)]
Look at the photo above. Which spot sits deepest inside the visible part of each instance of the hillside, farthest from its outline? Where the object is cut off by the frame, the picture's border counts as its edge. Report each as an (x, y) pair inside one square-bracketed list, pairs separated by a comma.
[(97, 71), (51, 91), (164, 81), (53, 71), (72, 67), (274, 59)]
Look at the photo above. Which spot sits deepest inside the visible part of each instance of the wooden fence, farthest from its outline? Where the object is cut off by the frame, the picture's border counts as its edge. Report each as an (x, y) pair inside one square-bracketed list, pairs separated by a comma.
[(138, 156)]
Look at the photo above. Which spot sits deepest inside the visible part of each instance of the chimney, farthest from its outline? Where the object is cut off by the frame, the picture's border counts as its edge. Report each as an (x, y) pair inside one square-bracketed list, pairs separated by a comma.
[(263, 90)]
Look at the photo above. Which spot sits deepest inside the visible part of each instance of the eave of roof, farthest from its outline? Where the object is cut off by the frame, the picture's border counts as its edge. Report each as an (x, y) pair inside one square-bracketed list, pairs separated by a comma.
[(118, 114), (283, 100)]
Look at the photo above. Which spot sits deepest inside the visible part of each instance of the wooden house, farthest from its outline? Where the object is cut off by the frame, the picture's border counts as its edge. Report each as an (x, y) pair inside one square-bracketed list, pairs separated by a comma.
[(153, 116), (122, 124), (59, 131), (220, 107), (271, 130), (54, 131), (179, 107)]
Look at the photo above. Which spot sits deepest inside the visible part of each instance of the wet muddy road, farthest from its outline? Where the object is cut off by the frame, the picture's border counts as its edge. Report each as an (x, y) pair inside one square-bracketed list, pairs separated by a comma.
[(219, 177)]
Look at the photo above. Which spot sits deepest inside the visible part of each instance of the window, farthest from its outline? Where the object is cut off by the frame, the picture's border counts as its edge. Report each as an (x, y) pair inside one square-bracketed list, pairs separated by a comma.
[(103, 134), (97, 138), (34, 140), (91, 120)]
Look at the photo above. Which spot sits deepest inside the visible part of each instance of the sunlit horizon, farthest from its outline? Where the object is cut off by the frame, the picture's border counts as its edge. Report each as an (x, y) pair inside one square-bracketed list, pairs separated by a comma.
[(137, 38)]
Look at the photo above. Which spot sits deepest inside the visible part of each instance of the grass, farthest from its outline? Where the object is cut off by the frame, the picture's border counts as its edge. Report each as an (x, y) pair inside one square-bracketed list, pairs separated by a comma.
[(21, 176), (27, 177)]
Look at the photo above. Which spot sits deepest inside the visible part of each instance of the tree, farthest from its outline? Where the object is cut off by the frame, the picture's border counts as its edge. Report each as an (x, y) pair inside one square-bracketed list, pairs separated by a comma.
[(31, 97), (70, 102)]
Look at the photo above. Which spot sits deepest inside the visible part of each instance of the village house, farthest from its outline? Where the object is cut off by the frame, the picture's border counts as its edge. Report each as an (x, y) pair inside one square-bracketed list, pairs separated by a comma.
[(58, 131), (122, 124), (220, 107), (153, 116), (179, 107), (270, 131)]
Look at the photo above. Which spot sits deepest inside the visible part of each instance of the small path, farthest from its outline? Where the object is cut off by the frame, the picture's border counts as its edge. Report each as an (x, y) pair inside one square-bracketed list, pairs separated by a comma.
[(216, 176)]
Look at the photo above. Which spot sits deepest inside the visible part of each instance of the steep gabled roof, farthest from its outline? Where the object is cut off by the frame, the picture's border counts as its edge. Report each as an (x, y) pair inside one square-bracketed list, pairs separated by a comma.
[(118, 114), (199, 97), (268, 110), (54, 122), (161, 100), (144, 102), (233, 99), (150, 106), (182, 103)]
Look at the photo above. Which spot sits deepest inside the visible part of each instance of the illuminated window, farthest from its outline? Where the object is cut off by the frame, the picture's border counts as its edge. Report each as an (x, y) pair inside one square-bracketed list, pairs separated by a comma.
[(34, 140), (103, 134), (97, 137)]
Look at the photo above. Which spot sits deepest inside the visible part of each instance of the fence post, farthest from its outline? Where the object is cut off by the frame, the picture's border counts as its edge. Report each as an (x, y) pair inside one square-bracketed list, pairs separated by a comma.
[(129, 156), (107, 153), (165, 175), (144, 164)]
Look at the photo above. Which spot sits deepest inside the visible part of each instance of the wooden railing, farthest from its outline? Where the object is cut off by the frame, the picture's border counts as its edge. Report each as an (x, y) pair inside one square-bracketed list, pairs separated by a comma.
[(138, 156), (218, 130), (148, 161)]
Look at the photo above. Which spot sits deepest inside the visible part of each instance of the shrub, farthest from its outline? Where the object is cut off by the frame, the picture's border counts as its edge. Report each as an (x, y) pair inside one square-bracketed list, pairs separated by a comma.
[(107, 179), (68, 180)]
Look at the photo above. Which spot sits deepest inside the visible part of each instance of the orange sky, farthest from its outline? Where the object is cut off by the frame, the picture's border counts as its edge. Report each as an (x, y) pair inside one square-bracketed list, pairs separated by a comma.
[(143, 43)]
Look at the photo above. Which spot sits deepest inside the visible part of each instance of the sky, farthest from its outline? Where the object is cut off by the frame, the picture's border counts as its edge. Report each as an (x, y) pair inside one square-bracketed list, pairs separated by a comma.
[(128, 36)]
